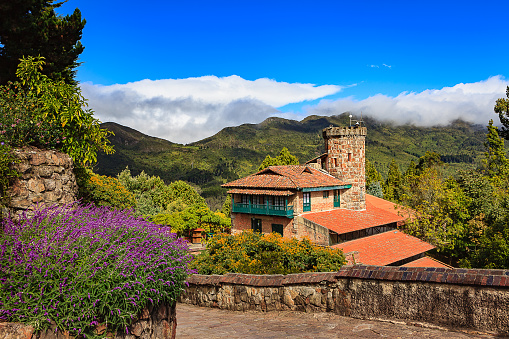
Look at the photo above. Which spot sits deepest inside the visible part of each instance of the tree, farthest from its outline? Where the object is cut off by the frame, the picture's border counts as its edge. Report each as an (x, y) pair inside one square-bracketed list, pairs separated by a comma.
[(284, 158), (428, 160), (42, 112), (32, 28), (495, 165), (373, 181), (502, 109), (393, 187)]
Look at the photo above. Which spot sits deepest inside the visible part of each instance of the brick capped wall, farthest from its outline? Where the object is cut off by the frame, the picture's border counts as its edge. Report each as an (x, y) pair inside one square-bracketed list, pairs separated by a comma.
[(346, 160), (455, 298), (46, 177)]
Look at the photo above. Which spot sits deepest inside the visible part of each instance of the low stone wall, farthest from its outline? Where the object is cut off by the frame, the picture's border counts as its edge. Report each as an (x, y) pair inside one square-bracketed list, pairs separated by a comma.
[(46, 177), (153, 323), (454, 298)]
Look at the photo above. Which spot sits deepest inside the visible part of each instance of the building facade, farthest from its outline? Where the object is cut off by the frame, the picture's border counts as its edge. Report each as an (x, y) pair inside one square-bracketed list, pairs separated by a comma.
[(325, 201)]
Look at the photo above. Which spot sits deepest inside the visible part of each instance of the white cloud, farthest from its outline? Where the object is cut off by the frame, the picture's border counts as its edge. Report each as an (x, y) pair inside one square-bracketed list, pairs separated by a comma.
[(472, 102), (187, 110)]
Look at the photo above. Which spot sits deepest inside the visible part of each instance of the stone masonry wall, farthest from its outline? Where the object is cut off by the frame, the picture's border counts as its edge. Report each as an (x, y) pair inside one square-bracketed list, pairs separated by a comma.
[(454, 298), (153, 323), (346, 161), (46, 177)]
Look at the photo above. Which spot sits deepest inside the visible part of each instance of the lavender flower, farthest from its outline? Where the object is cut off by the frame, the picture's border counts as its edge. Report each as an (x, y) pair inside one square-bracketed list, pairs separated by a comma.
[(79, 264)]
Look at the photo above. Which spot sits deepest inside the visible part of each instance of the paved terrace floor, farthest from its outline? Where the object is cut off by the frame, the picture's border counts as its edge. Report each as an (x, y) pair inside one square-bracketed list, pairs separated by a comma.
[(209, 323)]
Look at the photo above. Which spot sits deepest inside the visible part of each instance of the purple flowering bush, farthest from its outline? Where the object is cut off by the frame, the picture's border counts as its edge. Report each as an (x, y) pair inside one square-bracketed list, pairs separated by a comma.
[(80, 266)]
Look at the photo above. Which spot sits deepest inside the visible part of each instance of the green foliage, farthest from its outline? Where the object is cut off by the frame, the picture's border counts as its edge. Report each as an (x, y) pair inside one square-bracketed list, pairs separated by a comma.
[(107, 191), (153, 196), (495, 164), (284, 158), (41, 112), (7, 173), (393, 187), (192, 217), (375, 189), (502, 109), (255, 253), (33, 28), (428, 160), (227, 206)]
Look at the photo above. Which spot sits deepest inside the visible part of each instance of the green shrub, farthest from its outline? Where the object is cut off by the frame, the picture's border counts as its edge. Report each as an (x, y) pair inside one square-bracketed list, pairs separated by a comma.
[(255, 253), (102, 190)]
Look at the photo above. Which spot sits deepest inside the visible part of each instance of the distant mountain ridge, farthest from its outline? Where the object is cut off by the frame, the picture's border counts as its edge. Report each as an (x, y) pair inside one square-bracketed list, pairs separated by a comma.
[(237, 151)]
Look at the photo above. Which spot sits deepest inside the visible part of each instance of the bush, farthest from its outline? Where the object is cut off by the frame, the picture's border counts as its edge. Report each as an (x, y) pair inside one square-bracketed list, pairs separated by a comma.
[(255, 253), (106, 191), (82, 265)]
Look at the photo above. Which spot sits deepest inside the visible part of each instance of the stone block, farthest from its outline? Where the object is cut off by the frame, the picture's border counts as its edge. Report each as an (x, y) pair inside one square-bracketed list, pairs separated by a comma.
[(45, 171), (36, 185)]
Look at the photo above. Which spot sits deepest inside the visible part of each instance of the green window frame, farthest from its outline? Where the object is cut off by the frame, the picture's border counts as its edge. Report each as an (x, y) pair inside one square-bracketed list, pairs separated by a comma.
[(337, 199), (306, 201)]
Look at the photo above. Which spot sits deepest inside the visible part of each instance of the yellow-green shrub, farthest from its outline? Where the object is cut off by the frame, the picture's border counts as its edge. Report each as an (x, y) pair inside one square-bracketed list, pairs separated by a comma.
[(254, 253), (107, 191)]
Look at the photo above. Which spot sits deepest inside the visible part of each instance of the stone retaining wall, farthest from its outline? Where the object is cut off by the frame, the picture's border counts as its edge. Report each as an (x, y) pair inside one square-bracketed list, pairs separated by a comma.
[(153, 323), (46, 177), (455, 298)]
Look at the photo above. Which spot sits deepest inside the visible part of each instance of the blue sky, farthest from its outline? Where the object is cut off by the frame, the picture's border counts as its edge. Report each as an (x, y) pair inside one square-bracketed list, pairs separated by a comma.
[(421, 62)]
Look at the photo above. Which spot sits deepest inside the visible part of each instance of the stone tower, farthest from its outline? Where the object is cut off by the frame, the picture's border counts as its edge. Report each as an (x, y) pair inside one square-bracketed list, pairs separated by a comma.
[(346, 151)]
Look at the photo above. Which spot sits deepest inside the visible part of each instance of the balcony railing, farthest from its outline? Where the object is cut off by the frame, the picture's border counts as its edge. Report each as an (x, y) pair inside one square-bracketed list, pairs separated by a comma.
[(263, 209)]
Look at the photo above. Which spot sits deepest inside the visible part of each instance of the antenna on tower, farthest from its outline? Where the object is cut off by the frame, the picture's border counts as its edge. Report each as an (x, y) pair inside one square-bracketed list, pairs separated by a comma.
[(358, 123)]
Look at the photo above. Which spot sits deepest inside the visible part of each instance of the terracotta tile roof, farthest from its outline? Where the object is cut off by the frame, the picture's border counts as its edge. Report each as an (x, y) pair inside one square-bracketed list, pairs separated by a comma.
[(287, 177), (426, 262), (260, 192), (385, 248), (387, 206), (343, 221)]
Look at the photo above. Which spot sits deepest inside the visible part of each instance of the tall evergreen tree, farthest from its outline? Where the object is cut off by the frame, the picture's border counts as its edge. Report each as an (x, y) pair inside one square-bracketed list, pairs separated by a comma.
[(393, 185), (32, 28), (502, 109), (495, 164)]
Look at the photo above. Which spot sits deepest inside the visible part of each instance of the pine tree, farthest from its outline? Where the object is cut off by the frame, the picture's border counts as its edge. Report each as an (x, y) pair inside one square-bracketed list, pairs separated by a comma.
[(32, 28), (495, 164), (393, 185)]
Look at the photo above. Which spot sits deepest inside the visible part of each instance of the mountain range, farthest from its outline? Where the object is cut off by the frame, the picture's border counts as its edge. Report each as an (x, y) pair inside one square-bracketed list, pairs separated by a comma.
[(235, 152)]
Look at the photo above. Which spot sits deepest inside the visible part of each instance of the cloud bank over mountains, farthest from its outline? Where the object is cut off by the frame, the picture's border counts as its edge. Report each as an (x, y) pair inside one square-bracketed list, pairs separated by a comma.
[(187, 110), (471, 102)]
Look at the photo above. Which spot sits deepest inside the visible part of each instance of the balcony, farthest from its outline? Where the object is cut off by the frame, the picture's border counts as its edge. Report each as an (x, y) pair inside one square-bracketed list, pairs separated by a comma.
[(263, 209)]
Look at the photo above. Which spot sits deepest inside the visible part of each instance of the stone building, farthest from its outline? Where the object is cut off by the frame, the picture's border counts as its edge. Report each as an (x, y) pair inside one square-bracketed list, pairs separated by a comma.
[(325, 200)]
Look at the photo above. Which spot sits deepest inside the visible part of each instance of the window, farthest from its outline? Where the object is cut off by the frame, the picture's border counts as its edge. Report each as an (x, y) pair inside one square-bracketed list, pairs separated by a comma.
[(256, 225), (349, 156), (325, 194), (337, 201), (279, 203), (277, 228), (257, 200), (306, 202), (244, 199)]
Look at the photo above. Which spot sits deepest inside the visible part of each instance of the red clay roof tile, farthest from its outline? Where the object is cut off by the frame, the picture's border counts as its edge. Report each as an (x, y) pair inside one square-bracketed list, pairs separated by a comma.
[(344, 221), (260, 192), (426, 262), (385, 248), (286, 177)]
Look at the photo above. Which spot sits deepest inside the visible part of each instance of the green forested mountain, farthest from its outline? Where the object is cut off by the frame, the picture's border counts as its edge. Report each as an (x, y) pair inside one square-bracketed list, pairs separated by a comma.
[(238, 151)]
